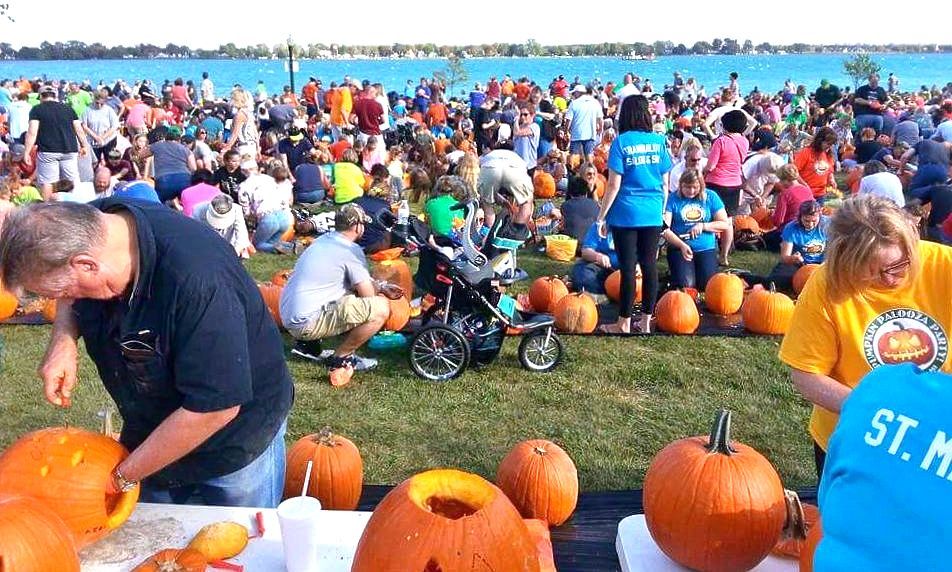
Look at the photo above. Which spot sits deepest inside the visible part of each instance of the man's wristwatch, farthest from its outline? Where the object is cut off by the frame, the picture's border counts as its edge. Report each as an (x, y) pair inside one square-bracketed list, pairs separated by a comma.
[(123, 484)]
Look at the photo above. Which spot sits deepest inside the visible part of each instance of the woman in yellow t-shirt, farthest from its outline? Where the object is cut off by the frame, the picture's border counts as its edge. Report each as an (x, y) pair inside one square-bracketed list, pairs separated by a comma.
[(881, 297), (348, 178)]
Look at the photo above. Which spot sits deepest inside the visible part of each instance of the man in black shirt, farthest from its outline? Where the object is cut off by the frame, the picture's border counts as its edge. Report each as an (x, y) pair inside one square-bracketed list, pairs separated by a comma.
[(58, 133), (180, 337), (826, 96), (868, 105)]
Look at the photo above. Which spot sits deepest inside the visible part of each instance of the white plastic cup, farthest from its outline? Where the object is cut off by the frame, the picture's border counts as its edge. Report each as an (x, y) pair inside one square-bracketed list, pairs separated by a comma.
[(300, 519)]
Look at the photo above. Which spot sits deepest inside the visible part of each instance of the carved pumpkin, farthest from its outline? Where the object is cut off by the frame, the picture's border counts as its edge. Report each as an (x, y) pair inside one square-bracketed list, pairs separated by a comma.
[(399, 314), (905, 345), (546, 292), (8, 304), (677, 313), (767, 311), (613, 285), (33, 538), (543, 184), (724, 293), (539, 532), (445, 520), (397, 272), (69, 470), (173, 560), (541, 480), (714, 505), (337, 474), (281, 277), (802, 275), (272, 300), (808, 551), (576, 314), (805, 517)]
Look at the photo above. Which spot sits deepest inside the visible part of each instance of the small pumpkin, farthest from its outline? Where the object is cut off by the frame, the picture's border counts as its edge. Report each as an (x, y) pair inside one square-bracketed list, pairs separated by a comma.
[(271, 294), (397, 272), (281, 277), (804, 517), (724, 293), (546, 292), (399, 314), (220, 540), (808, 551), (767, 311), (541, 480), (445, 520), (33, 538), (576, 314), (712, 504), (69, 470), (802, 275), (337, 474), (543, 185), (8, 304), (677, 313), (173, 560), (613, 285)]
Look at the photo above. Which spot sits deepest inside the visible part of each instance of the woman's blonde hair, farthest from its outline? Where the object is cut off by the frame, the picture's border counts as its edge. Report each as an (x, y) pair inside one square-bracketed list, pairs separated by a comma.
[(690, 176), (861, 227), (240, 98), (788, 173), (468, 170)]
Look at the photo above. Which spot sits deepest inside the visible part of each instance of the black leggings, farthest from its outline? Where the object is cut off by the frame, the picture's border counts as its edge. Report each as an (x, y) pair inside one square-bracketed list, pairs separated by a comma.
[(819, 458), (637, 245)]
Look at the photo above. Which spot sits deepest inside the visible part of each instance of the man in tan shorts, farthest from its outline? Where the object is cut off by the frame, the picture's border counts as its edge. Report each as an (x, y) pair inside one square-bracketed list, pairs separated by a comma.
[(503, 170), (331, 292)]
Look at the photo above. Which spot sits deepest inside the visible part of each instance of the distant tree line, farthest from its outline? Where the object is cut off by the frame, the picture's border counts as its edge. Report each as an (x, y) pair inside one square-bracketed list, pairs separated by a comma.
[(74, 50)]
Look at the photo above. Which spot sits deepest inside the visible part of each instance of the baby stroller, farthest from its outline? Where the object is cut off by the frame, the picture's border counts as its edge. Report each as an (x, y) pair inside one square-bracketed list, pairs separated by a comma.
[(471, 315)]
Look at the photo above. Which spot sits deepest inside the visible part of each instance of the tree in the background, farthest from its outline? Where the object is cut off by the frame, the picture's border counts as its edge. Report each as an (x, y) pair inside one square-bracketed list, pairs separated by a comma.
[(454, 74), (748, 47), (859, 67), (717, 44)]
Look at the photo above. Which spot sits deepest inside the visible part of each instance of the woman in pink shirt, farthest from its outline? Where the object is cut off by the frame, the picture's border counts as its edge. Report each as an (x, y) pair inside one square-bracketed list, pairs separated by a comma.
[(724, 173), (180, 97), (792, 193)]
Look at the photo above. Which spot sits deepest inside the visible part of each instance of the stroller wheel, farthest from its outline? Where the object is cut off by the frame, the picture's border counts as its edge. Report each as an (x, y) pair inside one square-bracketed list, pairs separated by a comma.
[(439, 352), (540, 351)]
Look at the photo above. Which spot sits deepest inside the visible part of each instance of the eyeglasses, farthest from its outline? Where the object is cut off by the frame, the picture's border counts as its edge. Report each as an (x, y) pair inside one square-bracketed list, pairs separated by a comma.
[(897, 269)]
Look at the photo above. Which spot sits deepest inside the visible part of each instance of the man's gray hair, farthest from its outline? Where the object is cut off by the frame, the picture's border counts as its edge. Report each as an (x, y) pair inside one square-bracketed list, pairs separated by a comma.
[(38, 241)]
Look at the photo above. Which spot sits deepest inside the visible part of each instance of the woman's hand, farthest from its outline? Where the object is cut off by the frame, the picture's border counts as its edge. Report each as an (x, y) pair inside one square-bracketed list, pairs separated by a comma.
[(604, 261), (602, 228), (696, 230), (686, 252)]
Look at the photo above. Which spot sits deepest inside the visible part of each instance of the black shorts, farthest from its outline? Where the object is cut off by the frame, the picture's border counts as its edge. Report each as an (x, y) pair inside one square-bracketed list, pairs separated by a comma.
[(730, 196)]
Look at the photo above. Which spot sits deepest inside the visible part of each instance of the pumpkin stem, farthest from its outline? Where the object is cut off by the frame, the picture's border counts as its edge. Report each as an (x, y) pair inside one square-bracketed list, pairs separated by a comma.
[(326, 437), (539, 451), (721, 434), (773, 288), (106, 416), (899, 325), (796, 525)]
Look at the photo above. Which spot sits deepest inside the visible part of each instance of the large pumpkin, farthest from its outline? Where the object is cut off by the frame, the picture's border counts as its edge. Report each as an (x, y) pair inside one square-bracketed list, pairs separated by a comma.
[(397, 272), (546, 292), (543, 185), (271, 294), (445, 520), (173, 560), (714, 505), (8, 304), (762, 216), (613, 285), (70, 470), (808, 551), (399, 314), (337, 473), (541, 480), (724, 293), (33, 538), (802, 275), (677, 313), (281, 277), (767, 311), (576, 314)]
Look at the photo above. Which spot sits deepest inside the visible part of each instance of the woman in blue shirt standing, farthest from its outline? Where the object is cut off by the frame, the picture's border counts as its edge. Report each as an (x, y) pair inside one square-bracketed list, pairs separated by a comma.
[(633, 205), (693, 215)]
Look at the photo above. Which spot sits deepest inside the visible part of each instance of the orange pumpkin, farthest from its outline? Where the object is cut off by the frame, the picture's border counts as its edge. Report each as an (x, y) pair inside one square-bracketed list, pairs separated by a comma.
[(33, 538), (808, 551), (399, 314), (397, 272), (767, 311), (388, 254), (906, 345), (49, 310), (677, 313), (337, 474), (802, 275), (271, 294), (543, 185), (541, 480), (8, 304), (724, 293), (762, 216), (576, 314), (288, 235), (792, 545), (712, 504), (745, 222), (69, 470), (539, 532), (173, 560), (445, 520), (613, 285), (281, 277), (546, 292)]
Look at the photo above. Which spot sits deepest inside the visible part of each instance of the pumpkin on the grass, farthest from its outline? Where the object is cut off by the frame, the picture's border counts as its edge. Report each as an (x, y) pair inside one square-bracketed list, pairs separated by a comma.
[(173, 560), (8, 304), (281, 277), (576, 314), (677, 313), (543, 185), (271, 294), (724, 293), (546, 292), (33, 538), (541, 480), (767, 311), (397, 272), (446, 520), (399, 314), (802, 275), (613, 285), (69, 470), (712, 504), (337, 473)]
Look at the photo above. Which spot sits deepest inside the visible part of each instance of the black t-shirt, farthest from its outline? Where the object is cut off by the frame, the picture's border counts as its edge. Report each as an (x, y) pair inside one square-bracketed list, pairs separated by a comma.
[(827, 96), (56, 134), (866, 151), (869, 94), (297, 152), (549, 129), (941, 198), (932, 152), (578, 214), (228, 182), (373, 206), (194, 334)]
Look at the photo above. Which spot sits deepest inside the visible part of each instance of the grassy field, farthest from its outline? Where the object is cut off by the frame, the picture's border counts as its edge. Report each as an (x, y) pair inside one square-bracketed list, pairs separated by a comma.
[(612, 404)]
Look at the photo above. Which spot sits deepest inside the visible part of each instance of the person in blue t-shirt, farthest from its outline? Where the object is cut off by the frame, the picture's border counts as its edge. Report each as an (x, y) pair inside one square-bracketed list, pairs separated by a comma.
[(886, 492), (803, 241), (598, 261), (693, 215), (632, 207)]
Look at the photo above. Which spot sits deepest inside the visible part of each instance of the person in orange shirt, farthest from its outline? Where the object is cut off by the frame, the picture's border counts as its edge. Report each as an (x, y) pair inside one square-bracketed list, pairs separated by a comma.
[(522, 89), (816, 163), (507, 86), (309, 94), (342, 103), (288, 97), (436, 114)]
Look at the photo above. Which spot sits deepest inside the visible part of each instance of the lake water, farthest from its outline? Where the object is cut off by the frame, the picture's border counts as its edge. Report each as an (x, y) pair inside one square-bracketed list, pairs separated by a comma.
[(766, 72)]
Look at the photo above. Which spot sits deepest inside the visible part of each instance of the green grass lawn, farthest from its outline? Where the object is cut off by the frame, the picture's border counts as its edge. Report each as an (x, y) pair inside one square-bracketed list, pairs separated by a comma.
[(613, 403)]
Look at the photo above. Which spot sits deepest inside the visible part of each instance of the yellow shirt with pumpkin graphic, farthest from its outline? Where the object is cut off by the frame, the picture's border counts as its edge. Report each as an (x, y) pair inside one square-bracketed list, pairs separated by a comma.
[(846, 339)]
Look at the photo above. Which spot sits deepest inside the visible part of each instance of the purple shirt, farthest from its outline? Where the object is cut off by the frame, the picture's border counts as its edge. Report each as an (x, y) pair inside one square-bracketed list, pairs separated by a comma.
[(196, 195)]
